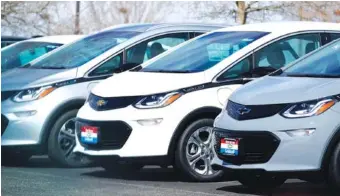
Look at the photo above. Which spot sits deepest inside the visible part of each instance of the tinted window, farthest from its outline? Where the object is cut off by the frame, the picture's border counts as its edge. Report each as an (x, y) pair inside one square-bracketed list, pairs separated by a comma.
[(323, 63), (335, 36), (84, 50), (241, 69), (282, 52), (153, 47), (22, 53), (109, 66), (204, 52)]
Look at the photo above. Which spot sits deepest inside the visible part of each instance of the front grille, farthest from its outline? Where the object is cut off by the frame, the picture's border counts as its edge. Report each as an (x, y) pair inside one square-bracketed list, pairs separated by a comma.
[(254, 146), (7, 94), (248, 112), (110, 103), (112, 135), (4, 123)]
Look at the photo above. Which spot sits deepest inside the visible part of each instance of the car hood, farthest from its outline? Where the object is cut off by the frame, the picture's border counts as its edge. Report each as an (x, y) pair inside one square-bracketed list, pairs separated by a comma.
[(145, 83), (23, 78), (276, 90)]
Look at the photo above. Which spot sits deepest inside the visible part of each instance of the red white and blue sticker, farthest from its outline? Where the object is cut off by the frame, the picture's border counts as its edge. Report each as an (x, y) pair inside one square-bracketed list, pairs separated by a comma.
[(229, 146), (89, 134)]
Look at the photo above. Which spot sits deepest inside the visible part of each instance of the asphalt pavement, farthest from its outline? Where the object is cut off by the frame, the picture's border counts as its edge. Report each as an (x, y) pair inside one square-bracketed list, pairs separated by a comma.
[(41, 177)]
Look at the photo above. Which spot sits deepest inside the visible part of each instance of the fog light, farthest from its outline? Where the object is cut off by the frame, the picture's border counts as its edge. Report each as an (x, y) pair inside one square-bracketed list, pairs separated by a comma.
[(150, 122), (300, 132), (25, 114)]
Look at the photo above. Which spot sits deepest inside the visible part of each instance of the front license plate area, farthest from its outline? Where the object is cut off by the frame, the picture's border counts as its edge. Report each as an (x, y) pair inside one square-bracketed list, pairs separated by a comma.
[(89, 134), (229, 146)]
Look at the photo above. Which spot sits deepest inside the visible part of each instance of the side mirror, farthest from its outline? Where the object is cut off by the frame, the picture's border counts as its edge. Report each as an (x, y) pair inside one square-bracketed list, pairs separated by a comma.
[(263, 71), (125, 67), (128, 66)]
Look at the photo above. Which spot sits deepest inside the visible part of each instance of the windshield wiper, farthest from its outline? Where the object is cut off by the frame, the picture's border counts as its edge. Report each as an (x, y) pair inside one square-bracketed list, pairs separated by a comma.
[(313, 75)]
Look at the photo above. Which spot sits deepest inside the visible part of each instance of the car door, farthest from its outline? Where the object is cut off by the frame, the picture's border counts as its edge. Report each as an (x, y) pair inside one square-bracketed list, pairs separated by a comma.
[(267, 59)]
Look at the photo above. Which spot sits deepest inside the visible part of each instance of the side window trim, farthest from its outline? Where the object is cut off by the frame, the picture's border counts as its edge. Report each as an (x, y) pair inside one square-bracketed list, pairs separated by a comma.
[(263, 46)]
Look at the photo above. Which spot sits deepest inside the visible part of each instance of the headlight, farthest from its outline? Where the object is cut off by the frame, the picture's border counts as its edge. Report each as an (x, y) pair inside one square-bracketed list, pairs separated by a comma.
[(310, 108), (33, 94), (157, 101)]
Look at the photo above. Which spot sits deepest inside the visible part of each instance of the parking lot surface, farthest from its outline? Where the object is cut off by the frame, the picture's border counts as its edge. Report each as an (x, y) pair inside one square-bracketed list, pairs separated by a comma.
[(41, 177)]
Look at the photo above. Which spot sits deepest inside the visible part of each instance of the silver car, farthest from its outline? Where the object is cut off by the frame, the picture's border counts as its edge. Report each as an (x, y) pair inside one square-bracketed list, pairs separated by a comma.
[(40, 101), (285, 125)]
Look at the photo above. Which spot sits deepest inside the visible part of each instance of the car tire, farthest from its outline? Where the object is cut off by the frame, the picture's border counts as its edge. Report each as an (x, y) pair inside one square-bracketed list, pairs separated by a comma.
[(333, 172), (121, 168), (15, 159), (181, 160), (58, 139), (261, 182)]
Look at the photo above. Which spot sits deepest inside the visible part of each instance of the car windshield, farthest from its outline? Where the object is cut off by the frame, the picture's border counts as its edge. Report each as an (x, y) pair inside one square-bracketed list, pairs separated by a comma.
[(322, 63), (204, 52), (21, 53), (84, 50)]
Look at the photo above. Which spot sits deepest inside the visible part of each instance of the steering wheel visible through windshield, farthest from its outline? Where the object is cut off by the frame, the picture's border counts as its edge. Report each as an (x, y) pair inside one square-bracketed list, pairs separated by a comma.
[(84, 50), (204, 52), (322, 63)]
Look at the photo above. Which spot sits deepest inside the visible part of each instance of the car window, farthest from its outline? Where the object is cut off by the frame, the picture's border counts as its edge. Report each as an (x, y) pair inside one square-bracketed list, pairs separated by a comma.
[(285, 51), (153, 47), (239, 70), (109, 67), (22, 53), (84, 50), (335, 36), (323, 63), (204, 52)]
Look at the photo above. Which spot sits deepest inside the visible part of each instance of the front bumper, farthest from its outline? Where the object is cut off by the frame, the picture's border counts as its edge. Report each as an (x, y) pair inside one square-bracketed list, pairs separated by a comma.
[(280, 151), (124, 136), (22, 123)]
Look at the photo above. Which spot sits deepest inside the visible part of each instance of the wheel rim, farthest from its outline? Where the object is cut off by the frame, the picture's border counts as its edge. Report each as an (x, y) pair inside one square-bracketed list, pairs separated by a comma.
[(199, 151), (67, 141)]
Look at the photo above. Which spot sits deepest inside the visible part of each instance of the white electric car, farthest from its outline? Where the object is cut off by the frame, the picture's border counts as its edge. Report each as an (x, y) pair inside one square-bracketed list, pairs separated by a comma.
[(162, 113), (284, 125)]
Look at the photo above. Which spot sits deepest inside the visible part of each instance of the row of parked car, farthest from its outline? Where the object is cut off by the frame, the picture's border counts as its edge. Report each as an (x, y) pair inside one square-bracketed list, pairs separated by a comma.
[(170, 82)]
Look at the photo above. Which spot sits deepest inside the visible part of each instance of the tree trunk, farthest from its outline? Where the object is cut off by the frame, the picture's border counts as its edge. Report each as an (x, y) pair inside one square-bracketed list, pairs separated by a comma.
[(77, 26), (241, 12)]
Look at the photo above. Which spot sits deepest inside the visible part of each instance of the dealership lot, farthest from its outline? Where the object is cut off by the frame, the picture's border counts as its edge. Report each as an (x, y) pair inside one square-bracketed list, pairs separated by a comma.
[(40, 176)]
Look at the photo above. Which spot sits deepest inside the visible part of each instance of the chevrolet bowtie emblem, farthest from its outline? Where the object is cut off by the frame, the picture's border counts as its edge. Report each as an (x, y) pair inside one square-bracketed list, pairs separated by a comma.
[(243, 111), (101, 103)]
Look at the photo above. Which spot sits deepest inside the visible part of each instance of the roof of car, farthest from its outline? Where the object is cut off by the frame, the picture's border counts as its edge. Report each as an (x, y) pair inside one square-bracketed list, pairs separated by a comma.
[(152, 26), (60, 39), (284, 27)]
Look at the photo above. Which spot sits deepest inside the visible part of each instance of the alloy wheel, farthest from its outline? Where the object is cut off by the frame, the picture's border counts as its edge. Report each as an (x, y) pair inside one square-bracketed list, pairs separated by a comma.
[(67, 141), (199, 151)]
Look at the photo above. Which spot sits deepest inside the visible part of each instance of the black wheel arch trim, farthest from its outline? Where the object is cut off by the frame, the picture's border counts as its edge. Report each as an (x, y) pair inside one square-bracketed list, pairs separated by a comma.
[(66, 106), (330, 148), (190, 117)]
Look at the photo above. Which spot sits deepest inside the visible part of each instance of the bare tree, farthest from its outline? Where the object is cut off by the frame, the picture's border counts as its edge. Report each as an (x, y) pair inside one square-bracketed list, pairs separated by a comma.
[(104, 14), (77, 18), (240, 11), (16, 15), (313, 11)]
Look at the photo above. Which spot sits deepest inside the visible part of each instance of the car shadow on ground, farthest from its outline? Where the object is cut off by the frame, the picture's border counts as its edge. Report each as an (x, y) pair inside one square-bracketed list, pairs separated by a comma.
[(148, 173), (35, 162), (145, 174), (288, 189)]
